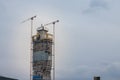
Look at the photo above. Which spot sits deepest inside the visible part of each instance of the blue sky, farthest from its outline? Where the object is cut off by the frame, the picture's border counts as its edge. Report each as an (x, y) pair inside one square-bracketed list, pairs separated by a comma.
[(87, 37)]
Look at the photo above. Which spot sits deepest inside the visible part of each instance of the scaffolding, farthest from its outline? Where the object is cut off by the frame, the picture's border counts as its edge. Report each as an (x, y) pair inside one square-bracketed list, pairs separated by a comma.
[(42, 55)]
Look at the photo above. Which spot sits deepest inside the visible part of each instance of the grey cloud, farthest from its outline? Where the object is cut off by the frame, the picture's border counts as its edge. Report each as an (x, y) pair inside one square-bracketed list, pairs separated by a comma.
[(86, 72), (112, 71), (96, 5)]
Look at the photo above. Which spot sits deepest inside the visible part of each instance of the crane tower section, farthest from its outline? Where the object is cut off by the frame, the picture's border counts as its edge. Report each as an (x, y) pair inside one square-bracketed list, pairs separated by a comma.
[(42, 54)]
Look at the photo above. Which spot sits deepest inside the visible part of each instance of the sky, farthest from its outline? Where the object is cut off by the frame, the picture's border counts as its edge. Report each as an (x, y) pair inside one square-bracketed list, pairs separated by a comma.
[(87, 37)]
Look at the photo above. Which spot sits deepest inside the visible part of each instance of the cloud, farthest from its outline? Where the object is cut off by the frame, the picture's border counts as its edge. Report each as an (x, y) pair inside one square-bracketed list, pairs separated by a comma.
[(96, 5), (107, 71), (112, 71)]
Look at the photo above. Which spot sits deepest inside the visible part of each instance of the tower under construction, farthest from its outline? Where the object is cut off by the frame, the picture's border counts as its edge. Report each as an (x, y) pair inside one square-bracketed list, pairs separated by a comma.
[(42, 54)]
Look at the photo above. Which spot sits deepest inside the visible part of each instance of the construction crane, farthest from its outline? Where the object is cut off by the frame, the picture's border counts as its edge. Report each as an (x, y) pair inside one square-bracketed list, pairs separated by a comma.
[(40, 39), (53, 59), (31, 49), (53, 45), (51, 23), (42, 26), (31, 18)]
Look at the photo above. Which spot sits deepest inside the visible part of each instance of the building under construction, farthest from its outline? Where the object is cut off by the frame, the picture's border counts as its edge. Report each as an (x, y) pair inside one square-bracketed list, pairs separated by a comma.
[(42, 57), (42, 54)]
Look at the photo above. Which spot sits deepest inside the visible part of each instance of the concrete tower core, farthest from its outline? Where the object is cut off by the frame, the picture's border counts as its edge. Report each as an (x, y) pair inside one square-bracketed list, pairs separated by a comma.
[(42, 54)]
